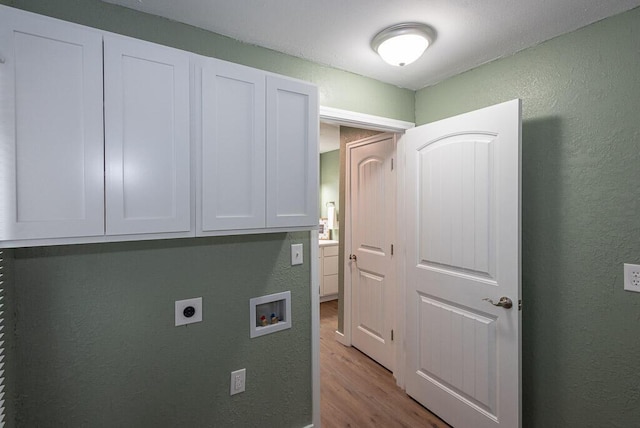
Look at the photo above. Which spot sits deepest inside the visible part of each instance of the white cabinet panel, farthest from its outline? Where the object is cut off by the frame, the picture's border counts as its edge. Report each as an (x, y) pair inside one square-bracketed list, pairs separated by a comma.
[(328, 271), (330, 264), (292, 153), (232, 152), (51, 132), (147, 144), (330, 285)]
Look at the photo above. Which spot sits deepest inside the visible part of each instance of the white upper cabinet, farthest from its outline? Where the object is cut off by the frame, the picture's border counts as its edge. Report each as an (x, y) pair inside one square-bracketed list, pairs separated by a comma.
[(51, 130), (258, 152), (96, 140), (292, 153), (231, 153), (147, 142)]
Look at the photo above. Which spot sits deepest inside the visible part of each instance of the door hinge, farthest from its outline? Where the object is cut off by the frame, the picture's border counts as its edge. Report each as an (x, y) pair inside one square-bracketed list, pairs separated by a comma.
[(392, 249), (391, 334), (520, 305), (391, 164)]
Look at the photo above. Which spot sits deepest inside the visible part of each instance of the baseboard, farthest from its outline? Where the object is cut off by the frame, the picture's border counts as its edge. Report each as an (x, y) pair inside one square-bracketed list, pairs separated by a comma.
[(328, 298), (340, 338)]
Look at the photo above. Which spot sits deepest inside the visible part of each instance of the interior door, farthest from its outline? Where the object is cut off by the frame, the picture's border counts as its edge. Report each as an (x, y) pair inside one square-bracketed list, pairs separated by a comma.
[(463, 247), (372, 202)]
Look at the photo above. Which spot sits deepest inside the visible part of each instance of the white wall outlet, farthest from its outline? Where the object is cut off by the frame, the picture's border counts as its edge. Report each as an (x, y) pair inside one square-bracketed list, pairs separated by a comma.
[(296, 254), (632, 277), (188, 311), (238, 379)]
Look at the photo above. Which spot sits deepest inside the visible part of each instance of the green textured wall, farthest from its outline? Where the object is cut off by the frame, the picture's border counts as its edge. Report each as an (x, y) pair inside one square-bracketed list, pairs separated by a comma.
[(7, 285), (96, 345), (337, 88), (580, 203)]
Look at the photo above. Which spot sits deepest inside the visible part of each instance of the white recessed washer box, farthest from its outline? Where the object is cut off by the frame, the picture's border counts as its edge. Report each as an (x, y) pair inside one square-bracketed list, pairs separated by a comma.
[(188, 311), (278, 304)]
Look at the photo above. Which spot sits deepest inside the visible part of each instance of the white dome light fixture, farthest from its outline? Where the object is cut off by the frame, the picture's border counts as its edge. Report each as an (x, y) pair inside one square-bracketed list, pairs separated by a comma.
[(403, 44)]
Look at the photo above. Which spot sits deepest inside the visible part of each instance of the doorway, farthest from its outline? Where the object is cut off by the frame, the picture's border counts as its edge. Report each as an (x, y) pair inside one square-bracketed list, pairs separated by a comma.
[(369, 283), (360, 123)]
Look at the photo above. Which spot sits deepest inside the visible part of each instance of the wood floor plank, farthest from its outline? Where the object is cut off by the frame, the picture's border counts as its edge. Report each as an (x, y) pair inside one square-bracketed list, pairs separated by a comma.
[(355, 391)]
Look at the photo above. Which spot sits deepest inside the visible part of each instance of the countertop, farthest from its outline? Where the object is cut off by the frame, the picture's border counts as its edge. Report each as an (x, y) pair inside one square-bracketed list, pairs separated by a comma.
[(327, 242)]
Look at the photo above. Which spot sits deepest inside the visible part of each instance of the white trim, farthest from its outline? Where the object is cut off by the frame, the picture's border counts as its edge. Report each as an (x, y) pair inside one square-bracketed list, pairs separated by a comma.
[(144, 237), (315, 330), (365, 121), (401, 238), (346, 236)]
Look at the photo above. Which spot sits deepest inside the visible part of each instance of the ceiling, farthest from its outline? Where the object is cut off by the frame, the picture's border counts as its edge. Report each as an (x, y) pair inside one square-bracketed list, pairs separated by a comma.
[(338, 32)]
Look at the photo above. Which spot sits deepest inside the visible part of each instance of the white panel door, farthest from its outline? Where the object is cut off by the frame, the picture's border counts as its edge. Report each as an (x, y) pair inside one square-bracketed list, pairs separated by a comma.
[(232, 152), (463, 247), (372, 205), (51, 134), (292, 153), (147, 146)]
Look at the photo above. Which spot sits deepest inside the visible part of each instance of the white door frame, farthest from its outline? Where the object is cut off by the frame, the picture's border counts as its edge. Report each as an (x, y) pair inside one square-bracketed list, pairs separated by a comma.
[(364, 121)]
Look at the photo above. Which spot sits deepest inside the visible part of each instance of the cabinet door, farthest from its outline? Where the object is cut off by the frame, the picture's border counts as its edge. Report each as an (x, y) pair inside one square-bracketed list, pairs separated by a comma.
[(146, 137), (51, 136), (232, 151), (292, 153), (330, 285)]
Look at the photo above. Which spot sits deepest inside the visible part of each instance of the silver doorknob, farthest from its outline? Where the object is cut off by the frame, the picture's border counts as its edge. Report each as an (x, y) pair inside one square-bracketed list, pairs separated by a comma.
[(353, 257), (504, 302)]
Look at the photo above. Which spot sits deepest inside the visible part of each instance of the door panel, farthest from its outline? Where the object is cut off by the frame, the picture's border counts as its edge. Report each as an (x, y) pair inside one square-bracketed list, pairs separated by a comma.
[(233, 147), (457, 351), (371, 302), (51, 130), (292, 153), (147, 144), (372, 190), (457, 231), (463, 247)]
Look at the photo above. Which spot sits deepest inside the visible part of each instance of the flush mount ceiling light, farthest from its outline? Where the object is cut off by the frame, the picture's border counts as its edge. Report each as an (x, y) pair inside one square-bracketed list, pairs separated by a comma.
[(402, 44)]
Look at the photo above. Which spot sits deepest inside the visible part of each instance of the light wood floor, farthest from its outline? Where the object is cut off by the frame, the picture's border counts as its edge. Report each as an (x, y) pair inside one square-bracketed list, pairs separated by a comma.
[(355, 391)]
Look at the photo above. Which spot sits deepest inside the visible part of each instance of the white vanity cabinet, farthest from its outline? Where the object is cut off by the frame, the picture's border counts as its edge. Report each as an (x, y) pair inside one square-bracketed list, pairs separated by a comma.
[(328, 270), (147, 137), (257, 150), (231, 149), (51, 129)]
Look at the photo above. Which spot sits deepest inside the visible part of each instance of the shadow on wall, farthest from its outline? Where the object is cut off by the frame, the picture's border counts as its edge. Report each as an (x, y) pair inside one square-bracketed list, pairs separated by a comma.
[(542, 207)]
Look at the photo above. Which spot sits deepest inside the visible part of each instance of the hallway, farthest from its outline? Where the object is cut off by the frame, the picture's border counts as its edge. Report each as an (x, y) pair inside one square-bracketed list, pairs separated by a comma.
[(358, 392)]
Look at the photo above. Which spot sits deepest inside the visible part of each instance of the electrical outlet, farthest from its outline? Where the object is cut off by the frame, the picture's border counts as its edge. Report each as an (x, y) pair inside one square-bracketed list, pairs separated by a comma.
[(238, 381), (296, 254), (188, 311), (632, 277)]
